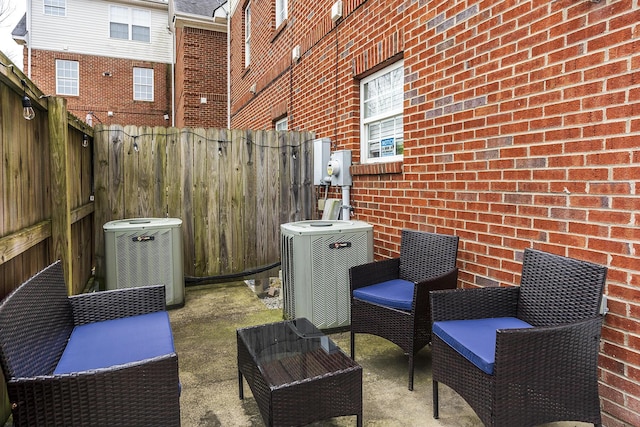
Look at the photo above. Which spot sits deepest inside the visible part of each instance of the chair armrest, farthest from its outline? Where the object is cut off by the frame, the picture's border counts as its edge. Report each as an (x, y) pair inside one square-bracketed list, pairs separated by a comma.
[(374, 272), (421, 289), (478, 303), (550, 354), (107, 305)]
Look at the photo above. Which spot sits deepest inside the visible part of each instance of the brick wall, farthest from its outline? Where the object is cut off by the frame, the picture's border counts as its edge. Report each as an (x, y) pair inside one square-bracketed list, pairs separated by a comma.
[(201, 74), (521, 127), (101, 94)]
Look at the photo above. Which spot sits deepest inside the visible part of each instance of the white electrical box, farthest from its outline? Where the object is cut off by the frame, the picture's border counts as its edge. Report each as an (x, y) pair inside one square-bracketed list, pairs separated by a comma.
[(338, 168), (143, 252), (316, 257), (321, 156)]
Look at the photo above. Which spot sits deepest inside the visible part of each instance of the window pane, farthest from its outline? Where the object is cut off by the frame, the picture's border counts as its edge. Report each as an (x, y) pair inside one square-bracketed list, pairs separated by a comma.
[(381, 111), (281, 11), (55, 7), (119, 14), (140, 33), (66, 77), (119, 31), (247, 35), (143, 84)]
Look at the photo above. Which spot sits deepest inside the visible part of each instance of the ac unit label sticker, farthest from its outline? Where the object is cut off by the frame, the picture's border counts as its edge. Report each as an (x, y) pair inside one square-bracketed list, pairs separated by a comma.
[(339, 245), (143, 238)]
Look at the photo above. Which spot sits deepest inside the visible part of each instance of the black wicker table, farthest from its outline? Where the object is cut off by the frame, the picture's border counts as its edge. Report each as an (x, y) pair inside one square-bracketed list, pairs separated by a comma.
[(297, 374)]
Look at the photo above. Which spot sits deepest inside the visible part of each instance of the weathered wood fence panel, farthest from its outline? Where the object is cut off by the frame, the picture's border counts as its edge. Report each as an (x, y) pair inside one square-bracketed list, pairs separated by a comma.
[(231, 188)]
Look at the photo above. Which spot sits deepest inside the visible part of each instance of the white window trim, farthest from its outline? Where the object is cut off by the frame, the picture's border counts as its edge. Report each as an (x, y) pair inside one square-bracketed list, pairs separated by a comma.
[(278, 125), (52, 6), (145, 85), (130, 23), (247, 35), (77, 80), (364, 142), (281, 12)]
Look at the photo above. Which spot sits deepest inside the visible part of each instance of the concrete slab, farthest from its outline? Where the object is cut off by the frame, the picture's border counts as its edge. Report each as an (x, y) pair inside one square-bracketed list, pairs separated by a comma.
[(205, 339)]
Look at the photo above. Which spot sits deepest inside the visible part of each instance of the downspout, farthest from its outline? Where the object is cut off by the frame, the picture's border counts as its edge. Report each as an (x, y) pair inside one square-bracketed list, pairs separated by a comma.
[(173, 77), (229, 70), (29, 38)]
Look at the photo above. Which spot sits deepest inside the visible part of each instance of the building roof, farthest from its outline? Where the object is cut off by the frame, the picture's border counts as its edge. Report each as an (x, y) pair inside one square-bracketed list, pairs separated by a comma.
[(20, 30), (198, 7)]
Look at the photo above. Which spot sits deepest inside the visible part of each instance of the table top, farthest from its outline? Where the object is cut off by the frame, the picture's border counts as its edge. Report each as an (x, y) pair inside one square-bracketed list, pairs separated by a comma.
[(293, 351)]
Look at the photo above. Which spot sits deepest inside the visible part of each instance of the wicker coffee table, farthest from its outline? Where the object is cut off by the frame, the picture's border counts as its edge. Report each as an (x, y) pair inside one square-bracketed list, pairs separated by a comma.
[(297, 374)]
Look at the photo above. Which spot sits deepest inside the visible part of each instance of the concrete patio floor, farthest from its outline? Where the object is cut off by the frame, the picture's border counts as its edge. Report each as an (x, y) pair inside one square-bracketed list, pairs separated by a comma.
[(205, 339)]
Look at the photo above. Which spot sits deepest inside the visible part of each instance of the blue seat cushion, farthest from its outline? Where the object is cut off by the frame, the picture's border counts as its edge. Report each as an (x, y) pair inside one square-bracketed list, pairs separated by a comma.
[(116, 342), (475, 339), (396, 293)]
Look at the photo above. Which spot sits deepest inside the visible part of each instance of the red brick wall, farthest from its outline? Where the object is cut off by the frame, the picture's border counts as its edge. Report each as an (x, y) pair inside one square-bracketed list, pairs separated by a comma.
[(101, 94), (201, 72), (522, 129)]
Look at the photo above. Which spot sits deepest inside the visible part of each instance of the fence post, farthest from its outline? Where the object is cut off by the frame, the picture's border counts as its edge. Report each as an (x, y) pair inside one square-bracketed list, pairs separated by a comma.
[(60, 198)]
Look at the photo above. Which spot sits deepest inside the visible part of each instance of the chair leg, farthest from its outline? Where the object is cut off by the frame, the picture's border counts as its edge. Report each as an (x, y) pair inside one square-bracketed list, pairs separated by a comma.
[(353, 345), (410, 372), (435, 400)]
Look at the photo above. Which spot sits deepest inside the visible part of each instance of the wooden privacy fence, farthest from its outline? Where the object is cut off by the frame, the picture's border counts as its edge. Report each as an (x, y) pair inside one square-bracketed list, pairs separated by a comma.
[(46, 212), (231, 188)]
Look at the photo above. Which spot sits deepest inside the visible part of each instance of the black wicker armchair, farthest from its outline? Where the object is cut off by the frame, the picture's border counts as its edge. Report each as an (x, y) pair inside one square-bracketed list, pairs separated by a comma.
[(36, 323), (530, 351), (390, 298)]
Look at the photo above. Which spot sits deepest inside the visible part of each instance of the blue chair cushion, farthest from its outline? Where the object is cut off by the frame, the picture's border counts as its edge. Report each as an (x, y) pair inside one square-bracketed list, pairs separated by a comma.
[(396, 293), (116, 342), (475, 339)]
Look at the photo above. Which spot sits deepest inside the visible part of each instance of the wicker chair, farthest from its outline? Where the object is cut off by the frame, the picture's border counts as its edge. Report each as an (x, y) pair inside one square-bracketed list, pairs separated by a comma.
[(390, 298), (544, 333)]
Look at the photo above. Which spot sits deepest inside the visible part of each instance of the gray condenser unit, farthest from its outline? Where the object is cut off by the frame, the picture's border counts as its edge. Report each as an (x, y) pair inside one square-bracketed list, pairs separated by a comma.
[(316, 257), (145, 251)]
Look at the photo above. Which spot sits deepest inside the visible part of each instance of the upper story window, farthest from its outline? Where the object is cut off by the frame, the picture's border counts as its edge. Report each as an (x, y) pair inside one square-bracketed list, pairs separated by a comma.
[(282, 124), (55, 7), (129, 24), (247, 35), (67, 77), (281, 12), (143, 84), (381, 106)]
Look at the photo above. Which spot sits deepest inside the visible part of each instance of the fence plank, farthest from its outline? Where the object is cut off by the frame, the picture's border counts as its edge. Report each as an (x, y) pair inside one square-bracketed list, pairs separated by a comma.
[(60, 219), (186, 139), (250, 200), (146, 191), (115, 184), (237, 201), (200, 202), (159, 172), (213, 198), (273, 196)]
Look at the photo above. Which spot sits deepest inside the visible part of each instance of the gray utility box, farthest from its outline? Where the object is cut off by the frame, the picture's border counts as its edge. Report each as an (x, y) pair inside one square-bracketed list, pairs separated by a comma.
[(145, 251), (316, 257)]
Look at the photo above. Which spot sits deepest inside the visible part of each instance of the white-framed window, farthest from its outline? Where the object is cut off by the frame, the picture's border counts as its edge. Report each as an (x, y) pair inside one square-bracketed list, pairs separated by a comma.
[(381, 109), (67, 77), (247, 35), (143, 84), (55, 7), (281, 12), (129, 24), (282, 124)]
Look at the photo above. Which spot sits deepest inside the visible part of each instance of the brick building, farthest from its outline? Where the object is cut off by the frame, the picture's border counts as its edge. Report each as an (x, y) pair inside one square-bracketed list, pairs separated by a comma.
[(512, 124), (118, 59)]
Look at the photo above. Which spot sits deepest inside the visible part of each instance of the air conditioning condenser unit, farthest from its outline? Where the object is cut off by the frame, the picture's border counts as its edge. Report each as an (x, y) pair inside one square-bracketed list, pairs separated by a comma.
[(316, 257), (143, 252)]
